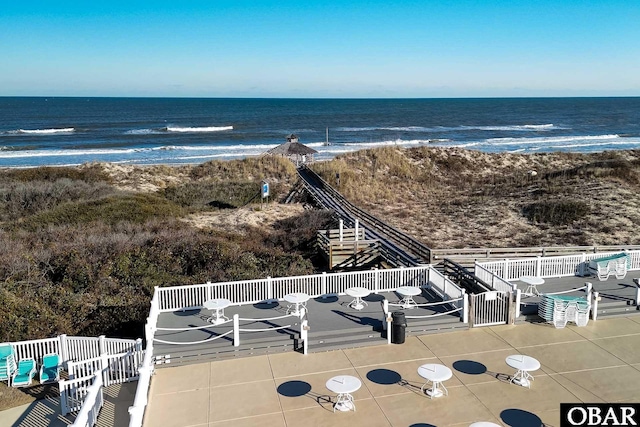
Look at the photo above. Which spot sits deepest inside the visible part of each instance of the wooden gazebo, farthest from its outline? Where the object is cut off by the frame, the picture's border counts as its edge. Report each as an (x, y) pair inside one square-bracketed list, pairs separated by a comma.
[(295, 151)]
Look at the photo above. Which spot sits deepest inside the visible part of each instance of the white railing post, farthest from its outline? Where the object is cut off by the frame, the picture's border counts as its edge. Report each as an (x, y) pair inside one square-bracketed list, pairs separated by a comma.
[(465, 308), (589, 290), (138, 346), (376, 280), (270, 289), (402, 279), (208, 291), (236, 330), (538, 267), (583, 265), (637, 282), (386, 322), (102, 349), (323, 284), (505, 270), (104, 369), (357, 229), (64, 350), (518, 299), (304, 335), (594, 306), (341, 230)]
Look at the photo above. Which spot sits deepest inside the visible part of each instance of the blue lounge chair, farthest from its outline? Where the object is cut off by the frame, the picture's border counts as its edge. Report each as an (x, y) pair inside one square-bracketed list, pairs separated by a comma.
[(50, 369), (25, 373), (7, 363)]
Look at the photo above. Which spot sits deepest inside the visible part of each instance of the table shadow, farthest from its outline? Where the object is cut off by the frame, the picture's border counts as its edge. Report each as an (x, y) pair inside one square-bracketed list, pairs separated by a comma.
[(384, 376), (184, 313), (294, 388), (264, 305), (520, 418), (422, 425), (326, 300), (298, 388), (469, 367)]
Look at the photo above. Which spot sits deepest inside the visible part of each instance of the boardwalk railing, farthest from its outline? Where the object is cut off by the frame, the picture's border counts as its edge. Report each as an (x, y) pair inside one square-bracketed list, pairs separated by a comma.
[(115, 368), (71, 348), (494, 279), (556, 266), (136, 411), (315, 285), (89, 391)]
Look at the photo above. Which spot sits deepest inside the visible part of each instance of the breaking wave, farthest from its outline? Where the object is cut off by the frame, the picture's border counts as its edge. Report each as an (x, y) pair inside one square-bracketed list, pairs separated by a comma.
[(198, 129), (42, 131), (524, 128)]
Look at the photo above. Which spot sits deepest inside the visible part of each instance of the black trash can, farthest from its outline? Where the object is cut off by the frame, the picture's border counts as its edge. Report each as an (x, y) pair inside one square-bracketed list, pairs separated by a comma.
[(398, 327)]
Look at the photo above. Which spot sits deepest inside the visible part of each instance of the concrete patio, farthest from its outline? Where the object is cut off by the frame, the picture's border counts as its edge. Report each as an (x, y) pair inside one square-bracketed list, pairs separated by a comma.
[(596, 363)]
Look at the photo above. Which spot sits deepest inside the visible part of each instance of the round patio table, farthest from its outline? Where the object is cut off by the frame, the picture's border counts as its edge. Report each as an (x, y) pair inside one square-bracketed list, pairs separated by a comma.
[(344, 385), (435, 374), (532, 284), (523, 365), (408, 292), (217, 306), (297, 300), (358, 293)]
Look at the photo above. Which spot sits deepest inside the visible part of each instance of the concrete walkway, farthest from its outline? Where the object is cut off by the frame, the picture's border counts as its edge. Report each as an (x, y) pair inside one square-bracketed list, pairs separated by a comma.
[(596, 363)]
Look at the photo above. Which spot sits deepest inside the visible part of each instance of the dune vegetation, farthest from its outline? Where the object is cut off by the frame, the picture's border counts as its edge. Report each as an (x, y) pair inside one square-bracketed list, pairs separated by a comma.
[(81, 249), (453, 198)]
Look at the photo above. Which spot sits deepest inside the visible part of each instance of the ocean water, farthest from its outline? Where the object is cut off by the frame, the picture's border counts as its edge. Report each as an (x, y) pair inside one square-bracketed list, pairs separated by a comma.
[(72, 131)]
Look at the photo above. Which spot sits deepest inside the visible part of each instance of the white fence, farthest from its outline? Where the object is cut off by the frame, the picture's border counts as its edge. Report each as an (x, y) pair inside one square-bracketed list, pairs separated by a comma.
[(493, 279), (87, 391), (115, 368), (315, 285), (557, 266), (71, 348)]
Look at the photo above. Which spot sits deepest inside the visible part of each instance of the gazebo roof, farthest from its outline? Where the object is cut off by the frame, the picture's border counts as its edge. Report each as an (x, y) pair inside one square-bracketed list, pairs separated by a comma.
[(291, 148)]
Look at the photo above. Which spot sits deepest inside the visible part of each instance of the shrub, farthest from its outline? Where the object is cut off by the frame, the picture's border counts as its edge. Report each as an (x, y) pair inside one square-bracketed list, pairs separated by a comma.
[(211, 194), (136, 208), (86, 173), (19, 199), (556, 212)]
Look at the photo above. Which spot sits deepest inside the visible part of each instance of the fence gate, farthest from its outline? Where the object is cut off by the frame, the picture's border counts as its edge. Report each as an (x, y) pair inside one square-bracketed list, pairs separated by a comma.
[(489, 308)]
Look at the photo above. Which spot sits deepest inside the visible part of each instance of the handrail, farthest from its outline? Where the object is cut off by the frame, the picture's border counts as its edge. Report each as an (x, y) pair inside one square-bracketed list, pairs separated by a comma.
[(417, 247), (193, 342), (193, 328), (264, 329), (434, 314), (464, 277), (429, 304)]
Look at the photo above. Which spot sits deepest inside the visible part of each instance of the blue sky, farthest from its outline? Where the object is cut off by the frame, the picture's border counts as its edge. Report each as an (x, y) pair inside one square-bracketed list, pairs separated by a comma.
[(219, 48)]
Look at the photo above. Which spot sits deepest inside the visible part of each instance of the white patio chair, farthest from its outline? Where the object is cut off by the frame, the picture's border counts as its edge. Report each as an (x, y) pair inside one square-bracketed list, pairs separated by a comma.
[(559, 315)]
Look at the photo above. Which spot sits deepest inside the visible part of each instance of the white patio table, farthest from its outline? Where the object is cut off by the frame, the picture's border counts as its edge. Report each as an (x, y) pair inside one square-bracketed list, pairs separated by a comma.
[(532, 284), (408, 292), (523, 365), (435, 374), (298, 300), (358, 293), (217, 306), (344, 385)]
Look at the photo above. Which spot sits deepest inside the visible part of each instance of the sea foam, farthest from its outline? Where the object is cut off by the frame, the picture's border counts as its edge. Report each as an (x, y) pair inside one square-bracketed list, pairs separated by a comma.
[(198, 129), (44, 131)]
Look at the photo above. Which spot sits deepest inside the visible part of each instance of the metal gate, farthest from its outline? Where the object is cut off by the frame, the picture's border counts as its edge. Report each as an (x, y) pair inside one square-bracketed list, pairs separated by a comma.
[(489, 308)]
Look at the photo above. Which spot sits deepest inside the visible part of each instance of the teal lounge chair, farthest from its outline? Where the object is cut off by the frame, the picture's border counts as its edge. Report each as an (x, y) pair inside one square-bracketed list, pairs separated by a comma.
[(7, 363), (25, 373), (50, 369)]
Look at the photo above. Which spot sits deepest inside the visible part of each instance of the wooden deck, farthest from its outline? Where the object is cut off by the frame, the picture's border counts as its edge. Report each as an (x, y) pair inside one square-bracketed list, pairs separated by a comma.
[(333, 325)]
